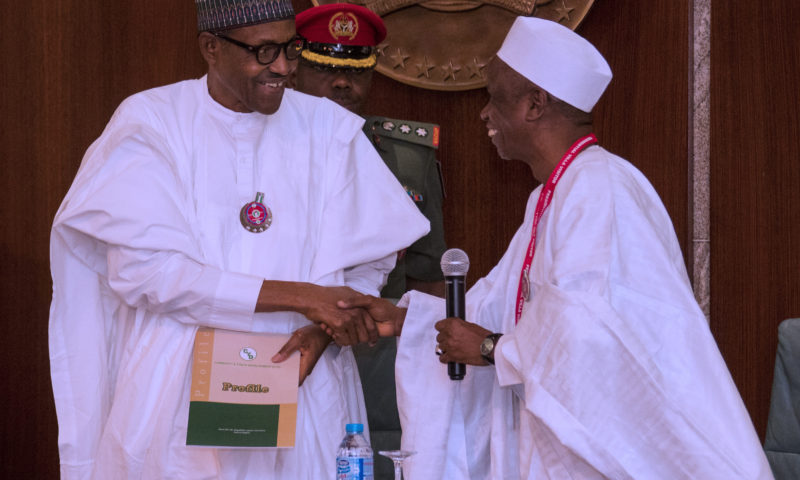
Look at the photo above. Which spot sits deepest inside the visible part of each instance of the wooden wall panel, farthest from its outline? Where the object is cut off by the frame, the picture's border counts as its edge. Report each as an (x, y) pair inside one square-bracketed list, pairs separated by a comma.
[(755, 201), (68, 64), (644, 115)]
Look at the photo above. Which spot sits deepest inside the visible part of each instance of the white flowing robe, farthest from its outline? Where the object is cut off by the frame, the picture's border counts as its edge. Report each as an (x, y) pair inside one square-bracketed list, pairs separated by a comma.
[(148, 245), (613, 366)]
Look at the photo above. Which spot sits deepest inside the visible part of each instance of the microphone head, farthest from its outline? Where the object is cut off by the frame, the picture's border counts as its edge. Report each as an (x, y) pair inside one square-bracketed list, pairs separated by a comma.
[(455, 263)]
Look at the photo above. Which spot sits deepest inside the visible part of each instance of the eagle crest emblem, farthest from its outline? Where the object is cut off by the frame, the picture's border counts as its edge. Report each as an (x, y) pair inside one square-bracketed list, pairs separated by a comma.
[(343, 25)]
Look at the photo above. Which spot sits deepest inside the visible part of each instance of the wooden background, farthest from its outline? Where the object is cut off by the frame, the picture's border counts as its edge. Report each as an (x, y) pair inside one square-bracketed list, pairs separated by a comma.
[(68, 64), (755, 187)]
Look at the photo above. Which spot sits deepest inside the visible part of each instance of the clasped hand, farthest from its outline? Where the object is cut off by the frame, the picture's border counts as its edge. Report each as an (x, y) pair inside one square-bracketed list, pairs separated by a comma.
[(350, 317), (347, 326), (458, 340), (346, 316)]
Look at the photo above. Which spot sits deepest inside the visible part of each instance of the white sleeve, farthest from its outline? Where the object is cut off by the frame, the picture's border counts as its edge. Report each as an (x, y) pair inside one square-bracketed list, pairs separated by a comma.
[(440, 416), (426, 397), (170, 282), (370, 277)]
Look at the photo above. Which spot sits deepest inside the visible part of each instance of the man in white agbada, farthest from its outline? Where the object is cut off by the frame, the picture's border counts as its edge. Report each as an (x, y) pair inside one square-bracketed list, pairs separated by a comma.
[(611, 370), (149, 244)]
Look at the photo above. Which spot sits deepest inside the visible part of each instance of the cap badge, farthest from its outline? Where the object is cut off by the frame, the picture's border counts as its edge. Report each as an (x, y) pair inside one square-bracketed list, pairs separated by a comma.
[(404, 128), (343, 25)]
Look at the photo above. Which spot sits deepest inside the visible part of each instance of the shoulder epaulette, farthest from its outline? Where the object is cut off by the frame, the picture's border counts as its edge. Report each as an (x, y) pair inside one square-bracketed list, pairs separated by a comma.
[(426, 134)]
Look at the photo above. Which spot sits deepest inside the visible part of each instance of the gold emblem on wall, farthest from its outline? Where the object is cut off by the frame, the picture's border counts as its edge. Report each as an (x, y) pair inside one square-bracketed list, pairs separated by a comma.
[(446, 44)]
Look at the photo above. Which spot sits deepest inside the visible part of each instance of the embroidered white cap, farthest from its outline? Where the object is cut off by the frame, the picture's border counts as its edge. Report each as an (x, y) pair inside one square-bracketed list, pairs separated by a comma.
[(557, 59)]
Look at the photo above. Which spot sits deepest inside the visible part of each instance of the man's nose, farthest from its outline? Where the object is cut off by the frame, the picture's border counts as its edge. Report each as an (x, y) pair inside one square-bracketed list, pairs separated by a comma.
[(282, 65), (342, 81)]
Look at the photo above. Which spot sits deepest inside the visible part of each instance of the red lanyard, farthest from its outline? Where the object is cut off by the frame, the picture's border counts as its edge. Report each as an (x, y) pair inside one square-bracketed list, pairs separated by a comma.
[(545, 197)]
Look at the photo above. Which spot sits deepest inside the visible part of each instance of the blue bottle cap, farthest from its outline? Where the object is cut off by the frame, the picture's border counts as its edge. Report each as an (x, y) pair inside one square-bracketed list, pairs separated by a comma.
[(354, 428)]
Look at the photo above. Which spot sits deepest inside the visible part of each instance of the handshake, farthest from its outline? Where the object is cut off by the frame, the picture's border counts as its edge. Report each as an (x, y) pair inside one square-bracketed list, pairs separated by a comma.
[(339, 313), (350, 317)]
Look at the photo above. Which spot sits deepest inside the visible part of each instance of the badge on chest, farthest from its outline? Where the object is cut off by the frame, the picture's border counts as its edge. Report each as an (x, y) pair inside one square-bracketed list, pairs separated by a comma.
[(255, 216)]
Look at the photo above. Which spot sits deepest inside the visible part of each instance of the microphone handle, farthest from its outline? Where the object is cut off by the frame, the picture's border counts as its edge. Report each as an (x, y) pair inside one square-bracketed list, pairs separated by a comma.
[(455, 288)]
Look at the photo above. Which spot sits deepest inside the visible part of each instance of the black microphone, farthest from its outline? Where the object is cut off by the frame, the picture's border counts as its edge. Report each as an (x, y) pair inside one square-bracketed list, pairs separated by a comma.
[(455, 264)]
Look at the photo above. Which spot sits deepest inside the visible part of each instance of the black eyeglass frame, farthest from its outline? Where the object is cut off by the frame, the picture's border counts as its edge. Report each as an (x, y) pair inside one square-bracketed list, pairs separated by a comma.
[(276, 48)]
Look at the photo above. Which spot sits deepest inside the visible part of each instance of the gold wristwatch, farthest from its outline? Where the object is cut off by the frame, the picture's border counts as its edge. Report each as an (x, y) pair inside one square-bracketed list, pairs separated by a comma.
[(488, 345)]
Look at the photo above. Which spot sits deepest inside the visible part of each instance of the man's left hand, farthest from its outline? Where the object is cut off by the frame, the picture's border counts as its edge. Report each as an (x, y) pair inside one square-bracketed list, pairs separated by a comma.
[(460, 341), (311, 341)]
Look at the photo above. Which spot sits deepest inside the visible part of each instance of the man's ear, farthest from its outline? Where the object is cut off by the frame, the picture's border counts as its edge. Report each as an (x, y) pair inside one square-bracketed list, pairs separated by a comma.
[(536, 101), (209, 47)]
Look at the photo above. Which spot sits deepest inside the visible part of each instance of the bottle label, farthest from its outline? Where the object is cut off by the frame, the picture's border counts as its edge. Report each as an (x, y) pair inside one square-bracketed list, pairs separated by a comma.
[(354, 469)]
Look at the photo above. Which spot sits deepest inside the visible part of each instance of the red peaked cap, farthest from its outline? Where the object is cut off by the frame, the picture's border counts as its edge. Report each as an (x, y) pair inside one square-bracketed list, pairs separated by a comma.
[(341, 23)]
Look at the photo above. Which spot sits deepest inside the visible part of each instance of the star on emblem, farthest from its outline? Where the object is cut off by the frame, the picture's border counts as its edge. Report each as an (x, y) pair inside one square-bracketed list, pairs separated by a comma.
[(476, 68), (421, 132), (405, 128), (563, 12), (424, 68), (399, 59), (450, 71), (388, 126)]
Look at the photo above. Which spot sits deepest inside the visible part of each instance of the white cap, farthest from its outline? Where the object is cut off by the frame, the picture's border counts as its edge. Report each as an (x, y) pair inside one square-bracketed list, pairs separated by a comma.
[(557, 59)]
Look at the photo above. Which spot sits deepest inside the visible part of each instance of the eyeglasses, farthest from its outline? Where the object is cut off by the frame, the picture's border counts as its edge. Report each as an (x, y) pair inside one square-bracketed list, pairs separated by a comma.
[(268, 52)]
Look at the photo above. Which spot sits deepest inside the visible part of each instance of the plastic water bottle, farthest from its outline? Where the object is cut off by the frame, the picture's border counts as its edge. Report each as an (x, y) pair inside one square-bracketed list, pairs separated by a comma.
[(354, 459)]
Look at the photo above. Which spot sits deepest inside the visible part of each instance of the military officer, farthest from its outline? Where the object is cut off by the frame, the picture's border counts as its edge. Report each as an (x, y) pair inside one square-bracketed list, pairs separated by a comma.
[(337, 63)]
